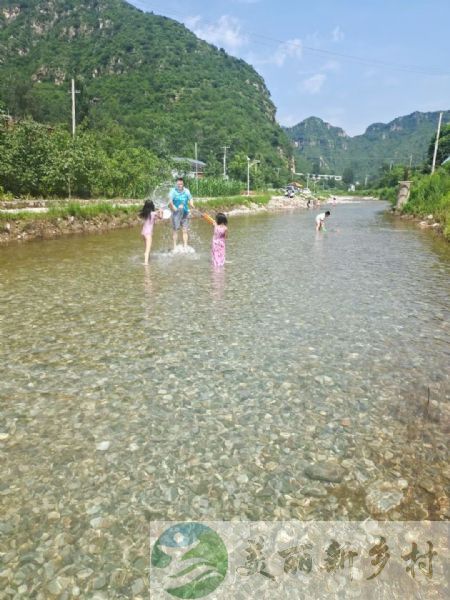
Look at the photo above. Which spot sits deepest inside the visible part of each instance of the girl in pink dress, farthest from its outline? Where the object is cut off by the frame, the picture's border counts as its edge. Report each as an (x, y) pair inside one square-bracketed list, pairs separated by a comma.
[(218, 241), (149, 214)]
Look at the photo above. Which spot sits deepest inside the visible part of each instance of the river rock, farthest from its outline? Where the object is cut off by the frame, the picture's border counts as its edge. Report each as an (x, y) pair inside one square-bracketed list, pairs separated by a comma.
[(99, 582), (383, 497), (103, 446), (58, 585), (427, 485), (138, 586), (85, 573), (316, 491), (325, 471)]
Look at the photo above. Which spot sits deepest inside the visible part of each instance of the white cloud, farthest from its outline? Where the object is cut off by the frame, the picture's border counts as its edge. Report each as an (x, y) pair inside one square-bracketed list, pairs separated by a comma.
[(289, 49), (337, 34), (332, 66), (313, 84), (289, 120), (225, 33)]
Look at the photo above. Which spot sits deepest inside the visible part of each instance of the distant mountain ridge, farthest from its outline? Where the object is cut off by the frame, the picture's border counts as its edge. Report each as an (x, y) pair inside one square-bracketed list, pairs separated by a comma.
[(141, 72), (329, 149)]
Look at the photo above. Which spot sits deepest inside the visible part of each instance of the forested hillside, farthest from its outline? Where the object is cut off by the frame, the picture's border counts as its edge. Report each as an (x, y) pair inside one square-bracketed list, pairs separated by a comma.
[(136, 72), (329, 149)]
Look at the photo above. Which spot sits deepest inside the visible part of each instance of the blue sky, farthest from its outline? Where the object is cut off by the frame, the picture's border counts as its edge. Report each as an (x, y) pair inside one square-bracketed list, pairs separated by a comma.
[(351, 63)]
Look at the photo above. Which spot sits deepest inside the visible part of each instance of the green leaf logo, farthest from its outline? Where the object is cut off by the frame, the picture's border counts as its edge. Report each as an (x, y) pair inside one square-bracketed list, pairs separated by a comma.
[(195, 558)]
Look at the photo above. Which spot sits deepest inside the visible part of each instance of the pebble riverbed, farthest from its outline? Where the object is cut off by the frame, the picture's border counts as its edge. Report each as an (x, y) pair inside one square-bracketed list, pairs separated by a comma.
[(306, 380)]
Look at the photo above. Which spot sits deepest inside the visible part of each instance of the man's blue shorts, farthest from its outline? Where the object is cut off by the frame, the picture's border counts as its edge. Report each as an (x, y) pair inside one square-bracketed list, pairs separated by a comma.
[(180, 219)]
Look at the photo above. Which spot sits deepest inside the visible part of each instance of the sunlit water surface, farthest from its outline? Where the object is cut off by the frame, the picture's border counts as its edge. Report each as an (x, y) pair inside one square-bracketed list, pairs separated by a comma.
[(174, 391)]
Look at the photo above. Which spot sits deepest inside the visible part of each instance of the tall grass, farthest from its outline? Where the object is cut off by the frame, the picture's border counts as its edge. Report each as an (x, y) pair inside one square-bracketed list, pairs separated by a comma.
[(213, 187), (89, 211), (430, 194), (387, 193), (73, 209), (228, 203)]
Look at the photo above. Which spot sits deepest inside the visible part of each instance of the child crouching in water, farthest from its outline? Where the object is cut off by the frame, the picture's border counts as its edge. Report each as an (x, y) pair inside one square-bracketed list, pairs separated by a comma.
[(320, 220), (219, 236), (149, 214)]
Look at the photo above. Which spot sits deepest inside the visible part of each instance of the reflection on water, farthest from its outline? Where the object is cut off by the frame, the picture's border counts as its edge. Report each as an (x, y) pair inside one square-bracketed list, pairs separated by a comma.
[(218, 282), (293, 383)]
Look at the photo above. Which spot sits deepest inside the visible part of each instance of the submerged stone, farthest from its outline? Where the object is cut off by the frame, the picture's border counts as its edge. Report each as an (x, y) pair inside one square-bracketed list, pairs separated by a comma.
[(325, 471), (382, 498)]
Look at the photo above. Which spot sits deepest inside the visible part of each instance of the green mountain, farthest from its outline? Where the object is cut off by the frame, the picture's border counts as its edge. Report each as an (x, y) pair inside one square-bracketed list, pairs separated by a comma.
[(140, 72), (329, 149)]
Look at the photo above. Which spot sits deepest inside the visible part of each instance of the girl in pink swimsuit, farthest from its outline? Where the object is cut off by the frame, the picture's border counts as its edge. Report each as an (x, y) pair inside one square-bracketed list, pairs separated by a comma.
[(218, 241), (149, 214)]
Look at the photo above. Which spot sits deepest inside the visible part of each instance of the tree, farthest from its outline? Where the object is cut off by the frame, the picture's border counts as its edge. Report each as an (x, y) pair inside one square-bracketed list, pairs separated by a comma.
[(238, 166), (348, 176)]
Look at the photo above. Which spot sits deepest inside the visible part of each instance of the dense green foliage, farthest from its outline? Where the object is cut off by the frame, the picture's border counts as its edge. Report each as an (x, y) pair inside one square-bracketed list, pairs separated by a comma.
[(212, 187), (143, 75), (430, 194), (38, 161), (330, 150)]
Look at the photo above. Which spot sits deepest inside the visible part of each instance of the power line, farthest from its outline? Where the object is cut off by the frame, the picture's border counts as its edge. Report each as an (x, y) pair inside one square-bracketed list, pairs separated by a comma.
[(428, 70)]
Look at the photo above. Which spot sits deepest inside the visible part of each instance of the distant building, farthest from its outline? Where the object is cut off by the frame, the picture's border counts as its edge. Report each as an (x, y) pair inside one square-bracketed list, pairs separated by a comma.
[(319, 176), (188, 167)]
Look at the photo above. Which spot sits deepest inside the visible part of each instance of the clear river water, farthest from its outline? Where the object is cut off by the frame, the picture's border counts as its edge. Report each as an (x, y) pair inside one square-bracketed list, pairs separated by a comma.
[(308, 379)]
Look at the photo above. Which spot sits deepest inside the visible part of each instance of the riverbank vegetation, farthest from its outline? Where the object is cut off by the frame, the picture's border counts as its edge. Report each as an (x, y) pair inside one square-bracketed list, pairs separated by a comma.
[(38, 161), (233, 202), (430, 193), (71, 211)]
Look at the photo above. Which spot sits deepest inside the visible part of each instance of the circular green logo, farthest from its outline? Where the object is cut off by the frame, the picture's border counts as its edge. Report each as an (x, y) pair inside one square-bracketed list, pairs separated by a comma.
[(195, 558)]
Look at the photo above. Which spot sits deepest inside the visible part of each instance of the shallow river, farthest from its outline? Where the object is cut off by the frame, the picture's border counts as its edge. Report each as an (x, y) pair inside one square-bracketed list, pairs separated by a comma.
[(306, 380)]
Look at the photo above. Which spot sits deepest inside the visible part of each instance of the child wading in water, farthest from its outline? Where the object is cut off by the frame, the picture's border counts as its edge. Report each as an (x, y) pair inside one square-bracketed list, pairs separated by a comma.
[(149, 214), (320, 220), (219, 236)]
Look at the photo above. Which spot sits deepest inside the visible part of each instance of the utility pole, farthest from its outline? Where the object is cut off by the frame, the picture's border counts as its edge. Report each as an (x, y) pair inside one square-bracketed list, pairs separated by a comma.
[(196, 167), (365, 181), (250, 163), (436, 144), (225, 148), (195, 155), (73, 92), (410, 160)]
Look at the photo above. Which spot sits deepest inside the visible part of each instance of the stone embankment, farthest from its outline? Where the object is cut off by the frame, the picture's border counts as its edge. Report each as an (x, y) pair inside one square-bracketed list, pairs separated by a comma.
[(427, 222), (17, 229)]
